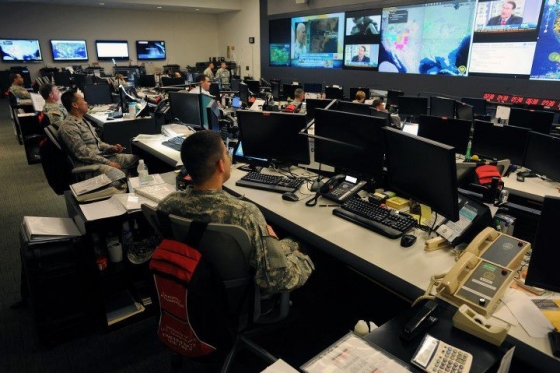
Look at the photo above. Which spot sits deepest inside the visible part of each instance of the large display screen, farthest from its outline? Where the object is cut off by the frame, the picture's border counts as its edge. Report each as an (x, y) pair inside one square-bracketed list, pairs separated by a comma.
[(317, 41), (17, 50), (111, 49), (547, 52), (150, 49), (361, 39), (69, 50)]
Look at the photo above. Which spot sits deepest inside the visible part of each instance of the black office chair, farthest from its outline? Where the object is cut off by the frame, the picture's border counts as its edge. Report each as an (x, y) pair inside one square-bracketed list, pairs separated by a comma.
[(227, 249)]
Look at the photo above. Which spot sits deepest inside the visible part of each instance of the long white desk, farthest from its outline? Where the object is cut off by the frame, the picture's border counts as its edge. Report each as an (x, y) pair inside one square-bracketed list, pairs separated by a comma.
[(533, 188), (123, 129)]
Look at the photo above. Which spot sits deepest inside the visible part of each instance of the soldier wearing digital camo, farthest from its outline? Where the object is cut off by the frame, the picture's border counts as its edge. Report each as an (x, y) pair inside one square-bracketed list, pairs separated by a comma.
[(17, 87), (53, 108), (82, 142), (223, 74), (279, 264)]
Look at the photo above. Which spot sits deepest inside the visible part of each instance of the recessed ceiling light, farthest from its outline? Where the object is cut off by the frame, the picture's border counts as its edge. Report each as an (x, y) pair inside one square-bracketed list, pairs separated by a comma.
[(197, 9), (159, 7), (101, 3)]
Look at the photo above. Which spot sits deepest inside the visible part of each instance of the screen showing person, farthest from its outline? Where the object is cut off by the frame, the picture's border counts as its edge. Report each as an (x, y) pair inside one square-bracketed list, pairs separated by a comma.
[(507, 15), (317, 41), (427, 38), (361, 55), (363, 25)]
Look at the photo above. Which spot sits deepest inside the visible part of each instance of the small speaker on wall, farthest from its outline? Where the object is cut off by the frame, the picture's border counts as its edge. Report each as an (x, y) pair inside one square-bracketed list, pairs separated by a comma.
[(301, 1)]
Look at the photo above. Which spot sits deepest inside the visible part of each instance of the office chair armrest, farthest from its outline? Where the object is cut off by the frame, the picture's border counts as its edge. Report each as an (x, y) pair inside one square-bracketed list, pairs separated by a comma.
[(84, 169), (280, 311)]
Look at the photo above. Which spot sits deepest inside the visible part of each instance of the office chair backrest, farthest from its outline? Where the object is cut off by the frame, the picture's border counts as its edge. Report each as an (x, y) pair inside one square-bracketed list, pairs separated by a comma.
[(55, 163)]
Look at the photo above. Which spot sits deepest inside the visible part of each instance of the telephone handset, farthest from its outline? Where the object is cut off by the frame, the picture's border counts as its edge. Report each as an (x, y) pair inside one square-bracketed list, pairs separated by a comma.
[(340, 188)]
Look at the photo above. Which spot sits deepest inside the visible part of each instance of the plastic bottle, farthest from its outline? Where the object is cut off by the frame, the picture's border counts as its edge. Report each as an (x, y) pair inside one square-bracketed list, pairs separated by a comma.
[(142, 172)]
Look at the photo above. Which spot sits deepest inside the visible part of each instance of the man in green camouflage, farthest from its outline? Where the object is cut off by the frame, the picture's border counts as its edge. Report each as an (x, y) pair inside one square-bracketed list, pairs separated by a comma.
[(17, 87), (280, 265), (53, 108)]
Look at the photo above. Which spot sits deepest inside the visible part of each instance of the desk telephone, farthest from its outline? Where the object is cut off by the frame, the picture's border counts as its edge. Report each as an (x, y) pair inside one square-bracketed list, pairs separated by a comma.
[(484, 271), (340, 188)]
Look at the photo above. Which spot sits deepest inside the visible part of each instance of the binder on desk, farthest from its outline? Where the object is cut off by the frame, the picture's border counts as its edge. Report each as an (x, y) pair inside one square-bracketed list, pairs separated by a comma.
[(41, 228), (96, 188), (156, 192)]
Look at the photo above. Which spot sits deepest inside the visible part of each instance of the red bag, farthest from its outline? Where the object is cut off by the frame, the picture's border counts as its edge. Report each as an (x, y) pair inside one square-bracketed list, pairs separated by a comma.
[(485, 173)]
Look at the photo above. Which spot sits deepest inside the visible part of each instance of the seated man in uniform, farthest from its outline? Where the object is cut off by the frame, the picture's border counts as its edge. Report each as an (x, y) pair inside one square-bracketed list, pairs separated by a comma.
[(53, 107), (280, 265), (17, 88), (82, 142)]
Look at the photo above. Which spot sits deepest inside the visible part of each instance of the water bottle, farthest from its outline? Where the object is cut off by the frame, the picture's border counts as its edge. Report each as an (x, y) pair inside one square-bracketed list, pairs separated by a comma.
[(142, 172)]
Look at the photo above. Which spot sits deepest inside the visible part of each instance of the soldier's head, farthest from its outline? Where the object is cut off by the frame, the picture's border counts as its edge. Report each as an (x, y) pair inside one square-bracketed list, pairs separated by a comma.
[(299, 94), (50, 92), (74, 102), (206, 158), (16, 79)]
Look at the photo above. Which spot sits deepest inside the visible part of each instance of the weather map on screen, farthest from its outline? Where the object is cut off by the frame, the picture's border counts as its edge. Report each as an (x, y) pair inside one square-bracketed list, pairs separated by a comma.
[(427, 39), (546, 62), (20, 50), (69, 50), (279, 54), (317, 41)]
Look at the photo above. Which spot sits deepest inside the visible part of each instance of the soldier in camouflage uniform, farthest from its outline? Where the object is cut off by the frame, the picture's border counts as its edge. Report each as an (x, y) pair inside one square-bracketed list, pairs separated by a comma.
[(17, 87), (83, 143), (223, 74), (53, 108), (280, 265)]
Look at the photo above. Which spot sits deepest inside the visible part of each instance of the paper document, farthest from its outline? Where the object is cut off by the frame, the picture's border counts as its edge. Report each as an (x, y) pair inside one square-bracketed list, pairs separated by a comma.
[(134, 182), (103, 209), (280, 366), (90, 185), (49, 228), (156, 192)]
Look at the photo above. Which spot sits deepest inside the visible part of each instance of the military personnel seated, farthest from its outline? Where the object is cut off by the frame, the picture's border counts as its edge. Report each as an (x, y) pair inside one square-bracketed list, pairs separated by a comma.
[(17, 87), (53, 108), (280, 264), (82, 142)]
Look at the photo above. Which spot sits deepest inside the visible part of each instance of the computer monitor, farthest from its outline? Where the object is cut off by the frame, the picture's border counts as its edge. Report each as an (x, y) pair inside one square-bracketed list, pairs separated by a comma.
[(334, 93), (542, 155), (313, 87), (478, 104), (213, 114), (254, 86), (423, 170), (393, 99), (273, 136), (536, 120), (244, 93), (464, 111), (275, 89), (185, 107), (62, 78), (499, 142), (165, 81), (145, 80), (353, 91), (441, 107), (353, 107), (314, 103), (215, 90), (449, 131), (381, 114), (235, 84), (413, 106), (97, 94), (543, 267), (352, 143), (288, 90)]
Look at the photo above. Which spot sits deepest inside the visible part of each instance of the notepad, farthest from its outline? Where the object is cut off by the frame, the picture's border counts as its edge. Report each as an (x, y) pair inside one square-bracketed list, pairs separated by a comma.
[(156, 192)]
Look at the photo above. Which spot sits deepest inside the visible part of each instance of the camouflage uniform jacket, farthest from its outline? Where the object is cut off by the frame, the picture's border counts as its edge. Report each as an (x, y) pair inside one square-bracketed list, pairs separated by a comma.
[(19, 91), (279, 267), (82, 142), (56, 113)]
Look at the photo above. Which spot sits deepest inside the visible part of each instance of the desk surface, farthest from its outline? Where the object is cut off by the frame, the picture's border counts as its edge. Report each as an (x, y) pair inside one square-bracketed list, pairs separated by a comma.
[(532, 188)]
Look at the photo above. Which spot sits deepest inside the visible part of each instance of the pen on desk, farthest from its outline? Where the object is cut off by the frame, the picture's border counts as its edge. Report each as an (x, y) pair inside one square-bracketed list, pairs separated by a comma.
[(328, 205)]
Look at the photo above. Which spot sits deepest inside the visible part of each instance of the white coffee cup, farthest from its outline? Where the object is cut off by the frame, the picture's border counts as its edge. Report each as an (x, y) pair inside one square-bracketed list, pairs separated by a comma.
[(115, 252)]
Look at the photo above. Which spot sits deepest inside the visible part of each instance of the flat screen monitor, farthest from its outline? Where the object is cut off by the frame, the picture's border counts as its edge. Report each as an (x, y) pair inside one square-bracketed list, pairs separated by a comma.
[(478, 104), (108, 50), (393, 99), (464, 111), (254, 86), (542, 155), (354, 90), (413, 106), (313, 87), (185, 107), (334, 93), (150, 50), (288, 90), (543, 266), (353, 107), (442, 107), (273, 136), (279, 54), (215, 90), (275, 89), (314, 103), (98, 94), (381, 114), (146, 80), (536, 120), (235, 84), (449, 131), (166, 81), (213, 114), (244, 93), (20, 50), (69, 50), (424, 170), (499, 142), (352, 143)]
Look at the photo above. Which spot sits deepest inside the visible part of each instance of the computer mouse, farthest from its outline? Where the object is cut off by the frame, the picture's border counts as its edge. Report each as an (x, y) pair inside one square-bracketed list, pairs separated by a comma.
[(290, 196), (408, 240)]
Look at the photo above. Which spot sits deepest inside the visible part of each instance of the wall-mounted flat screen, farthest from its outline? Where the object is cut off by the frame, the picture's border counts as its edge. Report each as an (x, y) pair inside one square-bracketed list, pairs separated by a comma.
[(545, 61), (279, 39), (150, 49), (69, 50), (361, 39), (318, 41), (108, 50), (280, 54), (19, 50)]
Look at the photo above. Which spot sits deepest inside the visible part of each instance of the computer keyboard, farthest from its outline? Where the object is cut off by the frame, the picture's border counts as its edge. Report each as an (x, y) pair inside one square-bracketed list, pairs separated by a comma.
[(376, 218), (272, 183), (115, 114), (174, 142)]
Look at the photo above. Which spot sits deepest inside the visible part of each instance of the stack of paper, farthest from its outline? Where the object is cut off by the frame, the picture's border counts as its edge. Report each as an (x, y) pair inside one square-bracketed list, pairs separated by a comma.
[(40, 228), (122, 306), (156, 192), (96, 188)]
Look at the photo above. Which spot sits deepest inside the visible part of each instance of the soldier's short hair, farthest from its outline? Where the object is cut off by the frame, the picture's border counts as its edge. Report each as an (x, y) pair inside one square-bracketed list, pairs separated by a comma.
[(200, 153), (45, 90), (68, 98), (12, 77)]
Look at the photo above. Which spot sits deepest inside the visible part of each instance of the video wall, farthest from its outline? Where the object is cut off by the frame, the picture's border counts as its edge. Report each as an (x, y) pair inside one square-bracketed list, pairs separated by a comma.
[(486, 38)]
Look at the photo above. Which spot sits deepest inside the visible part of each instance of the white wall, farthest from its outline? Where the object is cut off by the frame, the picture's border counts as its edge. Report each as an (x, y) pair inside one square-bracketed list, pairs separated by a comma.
[(190, 37)]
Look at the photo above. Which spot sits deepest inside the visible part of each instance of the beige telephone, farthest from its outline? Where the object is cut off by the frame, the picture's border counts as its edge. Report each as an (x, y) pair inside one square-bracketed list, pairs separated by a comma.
[(491, 330), (483, 272)]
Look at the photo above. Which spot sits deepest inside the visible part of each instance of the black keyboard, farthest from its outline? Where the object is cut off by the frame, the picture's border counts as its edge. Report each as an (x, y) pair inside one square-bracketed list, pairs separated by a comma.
[(273, 183), (174, 143), (376, 218)]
